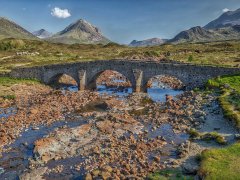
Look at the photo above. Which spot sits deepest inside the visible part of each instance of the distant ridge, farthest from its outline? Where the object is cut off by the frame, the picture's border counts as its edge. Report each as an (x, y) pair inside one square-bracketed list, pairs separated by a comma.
[(199, 34), (9, 29), (147, 42)]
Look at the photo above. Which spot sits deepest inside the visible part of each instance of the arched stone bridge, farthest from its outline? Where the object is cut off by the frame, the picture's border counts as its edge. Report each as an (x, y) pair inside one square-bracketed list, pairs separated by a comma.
[(137, 72)]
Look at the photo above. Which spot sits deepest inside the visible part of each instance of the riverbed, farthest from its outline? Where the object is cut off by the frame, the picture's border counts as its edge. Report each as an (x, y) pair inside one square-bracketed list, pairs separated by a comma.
[(118, 129)]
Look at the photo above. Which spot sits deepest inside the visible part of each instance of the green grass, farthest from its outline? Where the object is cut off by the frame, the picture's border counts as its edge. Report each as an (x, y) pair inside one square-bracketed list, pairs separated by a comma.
[(6, 83), (214, 136), (169, 174), (232, 81), (194, 133), (211, 136), (229, 96), (10, 97), (215, 53), (221, 164)]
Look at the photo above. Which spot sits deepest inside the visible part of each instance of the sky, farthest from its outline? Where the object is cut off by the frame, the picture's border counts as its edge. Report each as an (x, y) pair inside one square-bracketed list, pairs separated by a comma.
[(119, 20)]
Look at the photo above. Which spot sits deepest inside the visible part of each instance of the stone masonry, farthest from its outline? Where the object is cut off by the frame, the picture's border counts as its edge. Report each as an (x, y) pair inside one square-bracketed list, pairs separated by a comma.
[(137, 72)]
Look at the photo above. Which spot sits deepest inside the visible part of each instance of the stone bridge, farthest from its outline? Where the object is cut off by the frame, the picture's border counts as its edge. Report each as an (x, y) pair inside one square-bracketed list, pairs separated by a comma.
[(137, 72)]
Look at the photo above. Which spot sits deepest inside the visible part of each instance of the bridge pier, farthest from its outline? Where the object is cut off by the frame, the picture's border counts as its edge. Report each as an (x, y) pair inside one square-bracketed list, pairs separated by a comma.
[(138, 74), (82, 80)]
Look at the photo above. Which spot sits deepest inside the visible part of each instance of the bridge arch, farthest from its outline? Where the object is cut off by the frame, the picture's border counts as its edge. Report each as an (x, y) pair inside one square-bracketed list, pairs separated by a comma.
[(93, 81), (165, 81), (65, 79)]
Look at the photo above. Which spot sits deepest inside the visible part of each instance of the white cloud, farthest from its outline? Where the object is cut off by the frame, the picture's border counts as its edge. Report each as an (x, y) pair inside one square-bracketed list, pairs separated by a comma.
[(60, 13), (225, 10)]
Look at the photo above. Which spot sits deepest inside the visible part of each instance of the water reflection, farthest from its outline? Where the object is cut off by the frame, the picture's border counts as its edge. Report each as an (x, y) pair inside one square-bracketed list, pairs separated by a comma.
[(159, 90), (118, 91), (6, 112), (157, 93)]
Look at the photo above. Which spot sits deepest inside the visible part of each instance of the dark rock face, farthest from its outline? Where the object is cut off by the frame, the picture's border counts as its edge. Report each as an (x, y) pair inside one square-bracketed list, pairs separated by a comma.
[(227, 19), (80, 32), (147, 42), (42, 34), (193, 34)]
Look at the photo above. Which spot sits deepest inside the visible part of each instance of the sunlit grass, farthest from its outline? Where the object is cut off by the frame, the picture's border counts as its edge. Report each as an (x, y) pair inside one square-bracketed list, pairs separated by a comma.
[(230, 96), (217, 53), (221, 164)]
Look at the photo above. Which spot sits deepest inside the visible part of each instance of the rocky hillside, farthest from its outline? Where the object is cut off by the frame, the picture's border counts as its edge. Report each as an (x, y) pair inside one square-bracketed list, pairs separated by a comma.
[(227, 19), (9, 29), (199, 34), (42, 34), (81, 32), (147, 42)]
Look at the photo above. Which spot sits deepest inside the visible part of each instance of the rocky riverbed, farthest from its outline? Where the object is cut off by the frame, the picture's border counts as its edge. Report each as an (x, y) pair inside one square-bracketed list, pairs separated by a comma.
[(51, 134)]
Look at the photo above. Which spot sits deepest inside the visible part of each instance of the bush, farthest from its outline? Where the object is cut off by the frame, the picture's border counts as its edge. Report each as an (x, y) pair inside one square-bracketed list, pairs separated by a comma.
[(10, 97), (12, 44), (193, 133), (190, 58)]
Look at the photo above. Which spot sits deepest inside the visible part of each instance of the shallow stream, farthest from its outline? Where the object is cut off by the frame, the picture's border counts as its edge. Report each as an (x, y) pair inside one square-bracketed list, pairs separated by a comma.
[(17, 158)]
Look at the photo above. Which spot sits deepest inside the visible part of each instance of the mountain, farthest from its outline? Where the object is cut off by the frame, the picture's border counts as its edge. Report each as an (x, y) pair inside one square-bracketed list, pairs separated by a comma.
[(227, 19), (81, 32), (9, 29), (199, 34), (147, 42), (42, 34)]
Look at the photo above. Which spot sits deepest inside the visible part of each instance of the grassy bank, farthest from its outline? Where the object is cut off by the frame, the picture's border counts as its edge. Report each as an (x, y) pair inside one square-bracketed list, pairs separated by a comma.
[(6, 84), (221, 164), (224, 163), (17, 53), (169, 174), (229, 98)]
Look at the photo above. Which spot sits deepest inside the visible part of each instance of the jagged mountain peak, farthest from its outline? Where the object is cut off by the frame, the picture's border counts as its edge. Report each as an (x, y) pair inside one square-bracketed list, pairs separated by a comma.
[(80, 31), (42, 34)]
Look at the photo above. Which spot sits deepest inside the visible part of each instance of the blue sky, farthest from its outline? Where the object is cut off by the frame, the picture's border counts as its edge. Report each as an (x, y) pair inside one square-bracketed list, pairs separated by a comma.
[(120, 20)]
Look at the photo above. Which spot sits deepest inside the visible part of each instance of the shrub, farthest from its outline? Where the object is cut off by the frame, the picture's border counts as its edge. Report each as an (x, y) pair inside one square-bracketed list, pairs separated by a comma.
[(190, 58)]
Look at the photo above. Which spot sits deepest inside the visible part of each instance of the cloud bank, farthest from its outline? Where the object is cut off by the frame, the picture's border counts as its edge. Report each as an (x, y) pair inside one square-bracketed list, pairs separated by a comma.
[(60, 13)]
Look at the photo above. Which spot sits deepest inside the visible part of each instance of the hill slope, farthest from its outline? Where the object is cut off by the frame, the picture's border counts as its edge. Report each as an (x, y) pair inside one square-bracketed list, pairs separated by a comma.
[(80, 32), (9, 29), (199, 34), (227, 19)]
